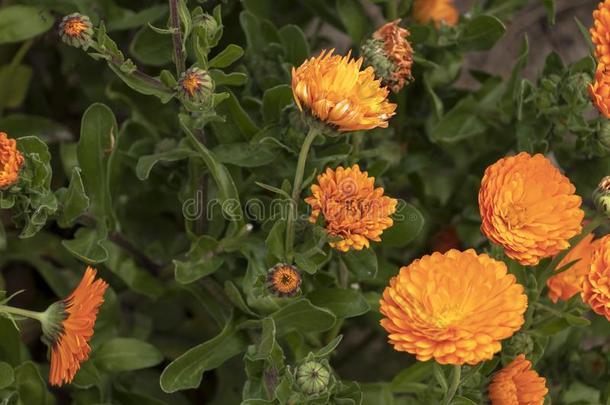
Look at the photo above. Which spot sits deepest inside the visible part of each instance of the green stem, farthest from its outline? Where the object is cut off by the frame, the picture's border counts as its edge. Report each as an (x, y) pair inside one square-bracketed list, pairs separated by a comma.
[(455, 384), (176, 36), (296, 191), (21, 312)]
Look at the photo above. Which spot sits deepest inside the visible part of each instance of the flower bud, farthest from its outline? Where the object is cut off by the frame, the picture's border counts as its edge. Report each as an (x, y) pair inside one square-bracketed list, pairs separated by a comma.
[(207, 22), (76, 30), (312, 377), (601, 196), (520, 343), (283, 280), (196, 86)]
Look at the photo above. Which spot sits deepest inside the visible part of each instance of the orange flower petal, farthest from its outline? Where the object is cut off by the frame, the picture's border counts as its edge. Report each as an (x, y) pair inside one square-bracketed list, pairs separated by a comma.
[(11, 161), (517, 384), (438, 11), (596, 283)]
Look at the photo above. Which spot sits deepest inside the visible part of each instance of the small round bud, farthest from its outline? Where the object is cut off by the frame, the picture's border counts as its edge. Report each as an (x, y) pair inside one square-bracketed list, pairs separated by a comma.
[(312, 377), (283, 280), (601, 196), (206, 21), (196, 85), (520, 343), (76, 30)]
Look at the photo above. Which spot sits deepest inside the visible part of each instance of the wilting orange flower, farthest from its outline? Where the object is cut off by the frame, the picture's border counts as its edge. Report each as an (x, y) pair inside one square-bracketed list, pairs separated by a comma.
[(399, 51), (600, 89), (596, 284), (11, 161), (600, 32), (353, 209), (517, 384), (284, 280), (528, 207), (569, 282), (70, 348), (454, 307), (336, 91), (438, 11)]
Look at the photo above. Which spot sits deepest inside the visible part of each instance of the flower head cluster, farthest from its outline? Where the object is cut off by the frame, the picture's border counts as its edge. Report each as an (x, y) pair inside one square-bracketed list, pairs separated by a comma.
[(528, 207), (76, 30), (596, 284), (338, 93), (517, 384), (437, 11), (68, 326), (454, 307), (284, 280), (569, 282), (11, 161), (600, 36), (353, 209), (391, 55)]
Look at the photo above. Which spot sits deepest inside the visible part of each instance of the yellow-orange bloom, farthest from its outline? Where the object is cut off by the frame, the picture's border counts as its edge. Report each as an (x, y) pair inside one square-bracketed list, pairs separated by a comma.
[(596, 284), (438, 11), (399, 51), (353, 209), (528, 207), (517, 384), (71, 347), (568, 283), (600, 89), (336, 91), (11, 161), (454, 307), (600, 32)]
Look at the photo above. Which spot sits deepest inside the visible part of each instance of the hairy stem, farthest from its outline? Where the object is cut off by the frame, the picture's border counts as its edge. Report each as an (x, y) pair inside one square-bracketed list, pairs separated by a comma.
[(176, 36)]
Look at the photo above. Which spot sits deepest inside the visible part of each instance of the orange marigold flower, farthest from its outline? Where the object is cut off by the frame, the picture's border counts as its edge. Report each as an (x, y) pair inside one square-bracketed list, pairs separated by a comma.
[(569, 282), (11, 161), (517, 384), (528, 207), (68, 326), (454, 307), (336, 91), (284, 280), (391, 55), (596, 285), (353, 209), (438, 11), (600, 32), (600, 89)]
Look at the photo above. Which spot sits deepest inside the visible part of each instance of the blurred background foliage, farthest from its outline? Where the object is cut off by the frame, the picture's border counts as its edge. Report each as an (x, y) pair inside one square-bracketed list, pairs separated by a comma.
[(188, 319)]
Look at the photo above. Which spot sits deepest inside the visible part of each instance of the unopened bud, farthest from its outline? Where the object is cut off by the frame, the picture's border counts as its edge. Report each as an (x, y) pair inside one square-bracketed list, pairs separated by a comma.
[(196, 86), (76, 30), (312, 377), (283, 280), (601, 196)]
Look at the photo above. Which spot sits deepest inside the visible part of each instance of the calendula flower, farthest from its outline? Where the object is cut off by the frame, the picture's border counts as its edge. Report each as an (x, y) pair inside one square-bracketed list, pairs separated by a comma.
[(437, 11), (517, 384), (76, 30), (352, 208), (454, 307), (68, 326), (11, 161), (391, 55), (196, 85), (600, 32), (569, 282), (334, 90), (600, 89), (596, 285), (529, 208), (284, 280)]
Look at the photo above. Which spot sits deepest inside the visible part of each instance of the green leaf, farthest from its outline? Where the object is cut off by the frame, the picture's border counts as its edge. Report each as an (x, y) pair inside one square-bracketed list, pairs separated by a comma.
[(274, 101), (187, 370), (134, 79), (275, 241), (460, 123), (10, 343), (241, 118), (578, 392), (146, 163), (415, 373), (125, 19), (202, 262), (574, 320), (302, 316), (481, 33), (73, 200), (7, 376), (137, 279), (460, 400), (550, 7), (18, 23), (32, 388), (344, 303), (408, 223), (151, 48), (227, 57), (327, 350), (439, 376), (295, 44), (245, 154), (14, 84), (87, 245), (361, 263), (354, 19), (231, 79), (125, 354)]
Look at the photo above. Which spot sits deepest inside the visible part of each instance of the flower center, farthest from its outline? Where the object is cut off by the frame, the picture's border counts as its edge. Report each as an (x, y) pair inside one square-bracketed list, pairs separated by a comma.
[(190, 84), (74, 27), (515, 216)]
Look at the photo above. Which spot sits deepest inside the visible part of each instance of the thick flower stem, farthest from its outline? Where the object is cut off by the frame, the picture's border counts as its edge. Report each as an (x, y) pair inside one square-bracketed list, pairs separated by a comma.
[(176, 36), (21, 312), (296, 192), (455, 384)]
